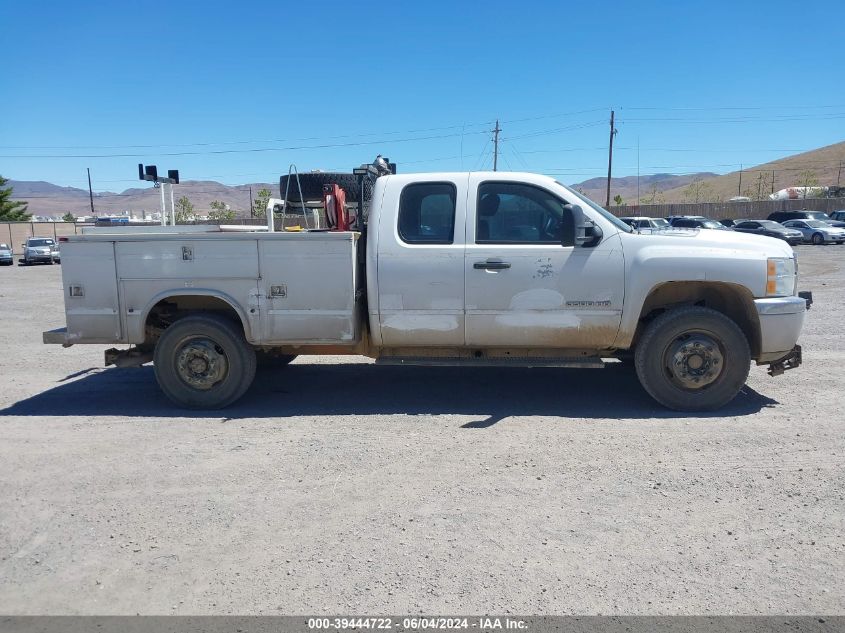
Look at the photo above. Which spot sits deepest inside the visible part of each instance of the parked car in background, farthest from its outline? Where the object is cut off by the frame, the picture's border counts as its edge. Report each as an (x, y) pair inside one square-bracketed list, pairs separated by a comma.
[(6, 257), (696, 222), (39, 250), (839, 216), (771, 229), (817, 232), (647, 225), (801, 214)]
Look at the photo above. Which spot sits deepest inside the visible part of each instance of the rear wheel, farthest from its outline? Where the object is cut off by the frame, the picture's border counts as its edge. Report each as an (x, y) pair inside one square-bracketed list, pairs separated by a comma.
[(817, 238), (204, 362), (692, 359)]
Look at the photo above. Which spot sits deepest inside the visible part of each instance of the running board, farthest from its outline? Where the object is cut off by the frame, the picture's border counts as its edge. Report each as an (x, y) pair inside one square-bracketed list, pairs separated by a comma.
[(458, 361)]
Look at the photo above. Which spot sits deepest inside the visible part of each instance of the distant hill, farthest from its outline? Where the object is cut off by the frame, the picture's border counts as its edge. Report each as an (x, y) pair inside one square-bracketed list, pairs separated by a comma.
[(823, 165), (46, 199), (25, 188), (596, 188)]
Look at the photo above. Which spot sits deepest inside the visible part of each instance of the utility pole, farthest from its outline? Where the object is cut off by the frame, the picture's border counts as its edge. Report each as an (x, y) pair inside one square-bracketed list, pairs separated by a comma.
[(839, 175), (251, 209), (773, 181), (638, 170), (496, 131), (610, 159), (739, 186), (90, 193)]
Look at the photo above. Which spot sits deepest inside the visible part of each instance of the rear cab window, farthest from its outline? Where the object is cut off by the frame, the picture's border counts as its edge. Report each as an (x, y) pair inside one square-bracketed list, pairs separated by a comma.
[(427, 213)]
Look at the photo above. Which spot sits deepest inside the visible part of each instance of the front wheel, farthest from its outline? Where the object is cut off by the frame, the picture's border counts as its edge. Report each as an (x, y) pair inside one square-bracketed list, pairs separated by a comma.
[(204, 362), (818, 238), (692, 359)]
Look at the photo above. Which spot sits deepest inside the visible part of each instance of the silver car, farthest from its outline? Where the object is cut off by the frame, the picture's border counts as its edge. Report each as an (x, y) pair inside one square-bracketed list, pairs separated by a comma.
[(39, 250), (647, 225), (817, 231), (6, 257)]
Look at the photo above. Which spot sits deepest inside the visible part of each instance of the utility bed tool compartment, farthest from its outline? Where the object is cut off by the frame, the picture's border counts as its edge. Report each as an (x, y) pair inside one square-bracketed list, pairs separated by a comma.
[(90, 290)]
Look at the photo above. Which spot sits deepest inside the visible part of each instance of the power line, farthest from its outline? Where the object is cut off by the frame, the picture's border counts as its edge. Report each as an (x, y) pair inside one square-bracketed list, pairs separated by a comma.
[(245, 151), (308, 138)]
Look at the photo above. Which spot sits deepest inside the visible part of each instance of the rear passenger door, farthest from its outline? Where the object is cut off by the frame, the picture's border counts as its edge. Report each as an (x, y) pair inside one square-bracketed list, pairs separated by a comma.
[(421, 262)]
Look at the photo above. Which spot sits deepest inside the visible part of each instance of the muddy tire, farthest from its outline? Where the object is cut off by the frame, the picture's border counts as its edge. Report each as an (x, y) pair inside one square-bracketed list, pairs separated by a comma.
[(692, 359), (204, 362)]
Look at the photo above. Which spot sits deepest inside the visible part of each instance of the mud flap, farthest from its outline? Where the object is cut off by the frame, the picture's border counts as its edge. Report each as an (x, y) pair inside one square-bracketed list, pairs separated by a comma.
[(790, 361)]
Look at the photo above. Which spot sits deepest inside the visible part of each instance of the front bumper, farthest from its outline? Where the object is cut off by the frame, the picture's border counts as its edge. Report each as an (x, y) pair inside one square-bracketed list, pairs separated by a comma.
[(781, 320)]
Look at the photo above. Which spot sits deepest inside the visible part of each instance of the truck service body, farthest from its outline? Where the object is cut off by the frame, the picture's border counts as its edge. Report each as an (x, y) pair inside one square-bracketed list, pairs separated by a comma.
[(479, 268)]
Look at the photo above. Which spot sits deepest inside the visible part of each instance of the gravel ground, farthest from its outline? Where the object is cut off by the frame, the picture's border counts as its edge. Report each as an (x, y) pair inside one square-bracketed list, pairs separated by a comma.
[(337, 486)]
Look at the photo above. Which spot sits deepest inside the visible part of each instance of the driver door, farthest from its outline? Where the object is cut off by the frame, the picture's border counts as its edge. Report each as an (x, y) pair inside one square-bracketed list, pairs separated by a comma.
[(523, 288)]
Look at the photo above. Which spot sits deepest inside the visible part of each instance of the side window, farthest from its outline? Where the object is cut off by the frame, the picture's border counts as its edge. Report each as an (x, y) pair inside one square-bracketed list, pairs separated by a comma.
[(427, 213), (509, 212)]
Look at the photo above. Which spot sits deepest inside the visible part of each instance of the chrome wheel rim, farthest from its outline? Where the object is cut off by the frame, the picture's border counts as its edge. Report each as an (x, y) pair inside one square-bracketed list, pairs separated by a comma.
[(201, 363), (694, 361)]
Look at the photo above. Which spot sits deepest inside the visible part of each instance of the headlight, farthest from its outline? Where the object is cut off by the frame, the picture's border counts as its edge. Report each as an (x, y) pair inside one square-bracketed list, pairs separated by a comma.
[(781, 279)]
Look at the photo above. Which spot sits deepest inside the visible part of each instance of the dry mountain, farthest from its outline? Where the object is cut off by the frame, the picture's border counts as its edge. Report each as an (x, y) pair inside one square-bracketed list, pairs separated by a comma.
[(823, 165)]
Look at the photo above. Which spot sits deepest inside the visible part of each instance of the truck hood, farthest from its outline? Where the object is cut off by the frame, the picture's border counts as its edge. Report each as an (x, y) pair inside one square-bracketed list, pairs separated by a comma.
[(718, 240)]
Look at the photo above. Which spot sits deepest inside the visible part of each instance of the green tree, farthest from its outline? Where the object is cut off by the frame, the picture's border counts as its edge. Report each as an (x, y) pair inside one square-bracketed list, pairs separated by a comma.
[(259, 205), (807, 178), (654, 196), (69, 217), (697, 191), (184, 211), (617, 199), (761, 186), (11, 210), (220, 212)]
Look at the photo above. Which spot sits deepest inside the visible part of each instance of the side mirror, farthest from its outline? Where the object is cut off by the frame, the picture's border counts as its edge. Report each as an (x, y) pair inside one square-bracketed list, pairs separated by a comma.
[(579, 230)]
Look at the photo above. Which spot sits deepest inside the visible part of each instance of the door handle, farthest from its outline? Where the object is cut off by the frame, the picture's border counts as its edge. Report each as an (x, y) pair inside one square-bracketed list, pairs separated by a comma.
[(491, 265)]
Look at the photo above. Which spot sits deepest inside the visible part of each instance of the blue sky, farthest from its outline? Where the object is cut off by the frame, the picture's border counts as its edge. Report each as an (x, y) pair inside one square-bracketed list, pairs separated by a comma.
[(235, 92)]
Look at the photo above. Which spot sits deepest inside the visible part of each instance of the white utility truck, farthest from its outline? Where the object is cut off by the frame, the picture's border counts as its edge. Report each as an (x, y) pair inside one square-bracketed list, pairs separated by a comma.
[(474, 269)]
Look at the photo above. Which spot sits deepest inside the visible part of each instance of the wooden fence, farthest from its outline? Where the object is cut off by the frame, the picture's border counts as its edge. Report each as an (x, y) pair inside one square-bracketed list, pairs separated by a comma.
[(15, 233), (755, 209)]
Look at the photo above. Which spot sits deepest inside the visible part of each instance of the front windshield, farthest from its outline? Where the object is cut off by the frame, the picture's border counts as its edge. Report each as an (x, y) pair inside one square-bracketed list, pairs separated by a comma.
[(4, 247), (604, 213), (769, 224), (818, 215), (660, 223), (711, 224), (44, 242), (818, 224)]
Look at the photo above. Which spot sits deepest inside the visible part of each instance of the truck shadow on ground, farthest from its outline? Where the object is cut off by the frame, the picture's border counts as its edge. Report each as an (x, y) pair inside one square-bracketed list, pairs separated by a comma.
[(310, 389)]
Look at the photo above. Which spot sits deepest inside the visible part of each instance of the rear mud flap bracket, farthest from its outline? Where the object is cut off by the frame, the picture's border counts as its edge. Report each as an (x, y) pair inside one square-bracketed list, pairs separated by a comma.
[(790, 361)]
